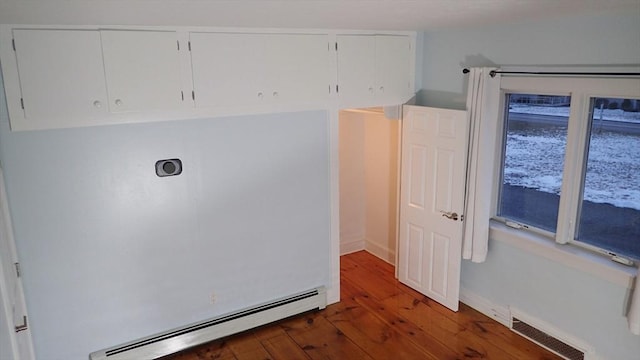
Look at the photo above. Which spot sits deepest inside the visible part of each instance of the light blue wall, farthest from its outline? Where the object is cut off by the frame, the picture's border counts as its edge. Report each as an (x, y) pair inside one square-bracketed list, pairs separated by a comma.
[(580, 304), (110, 252), (585, 41)]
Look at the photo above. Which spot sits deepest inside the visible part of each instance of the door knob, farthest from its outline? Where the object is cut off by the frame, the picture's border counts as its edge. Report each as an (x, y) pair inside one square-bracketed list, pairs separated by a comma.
[(450, 215)]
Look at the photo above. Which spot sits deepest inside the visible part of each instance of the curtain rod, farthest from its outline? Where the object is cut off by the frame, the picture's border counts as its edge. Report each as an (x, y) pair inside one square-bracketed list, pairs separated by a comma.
[(493, 73)]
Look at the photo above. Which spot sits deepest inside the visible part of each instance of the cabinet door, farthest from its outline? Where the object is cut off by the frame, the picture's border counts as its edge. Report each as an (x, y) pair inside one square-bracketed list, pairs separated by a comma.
[(228, 69), (61, 78), (392, 69), (298, 72), (356, 70), (142, 70)]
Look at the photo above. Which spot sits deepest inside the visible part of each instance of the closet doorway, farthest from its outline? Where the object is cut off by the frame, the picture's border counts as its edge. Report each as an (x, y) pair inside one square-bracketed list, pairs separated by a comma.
[(369, 156)]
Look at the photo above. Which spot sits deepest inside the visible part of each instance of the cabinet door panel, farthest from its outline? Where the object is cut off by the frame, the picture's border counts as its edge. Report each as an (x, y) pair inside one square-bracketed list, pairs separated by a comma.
[(356, 70), (228, 69), (392, 69), (61, 77), (298, 69), (142, 70)]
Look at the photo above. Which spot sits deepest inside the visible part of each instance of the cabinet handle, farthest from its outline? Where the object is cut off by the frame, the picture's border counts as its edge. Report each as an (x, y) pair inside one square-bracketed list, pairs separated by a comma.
[(97, 104), (370, 89), (381, 88), (260, 95), (118, 102), (275, 94)]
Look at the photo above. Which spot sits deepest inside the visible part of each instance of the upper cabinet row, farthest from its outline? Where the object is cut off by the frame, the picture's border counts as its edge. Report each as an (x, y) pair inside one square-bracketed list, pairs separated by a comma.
[(56, 78)]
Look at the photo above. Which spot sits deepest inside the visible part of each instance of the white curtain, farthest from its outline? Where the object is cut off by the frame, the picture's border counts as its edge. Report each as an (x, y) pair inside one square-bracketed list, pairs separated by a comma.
[(633, 316), (483, 101)]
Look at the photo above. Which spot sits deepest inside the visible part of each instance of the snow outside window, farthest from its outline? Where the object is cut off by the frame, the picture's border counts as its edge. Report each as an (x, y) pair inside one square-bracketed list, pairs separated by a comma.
[(571, 163)]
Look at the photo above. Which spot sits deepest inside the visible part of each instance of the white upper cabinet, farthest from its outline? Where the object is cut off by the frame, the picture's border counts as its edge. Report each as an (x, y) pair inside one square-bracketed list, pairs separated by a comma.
[(57, 77), (227, 69), (374, 70), (356, 70), (260, 72), (61, 76), (299, 69), (393, 75), (142, 69)]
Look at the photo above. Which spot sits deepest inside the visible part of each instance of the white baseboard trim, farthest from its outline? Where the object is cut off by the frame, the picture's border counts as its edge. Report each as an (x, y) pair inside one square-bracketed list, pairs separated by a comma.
[(350, 246), (500, 314), (381, 252)]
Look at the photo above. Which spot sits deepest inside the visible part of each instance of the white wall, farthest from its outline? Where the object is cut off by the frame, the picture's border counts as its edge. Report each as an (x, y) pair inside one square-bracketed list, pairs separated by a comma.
[(352, 181), (368, 183), (580, 304), (110, 252), (381, 171)]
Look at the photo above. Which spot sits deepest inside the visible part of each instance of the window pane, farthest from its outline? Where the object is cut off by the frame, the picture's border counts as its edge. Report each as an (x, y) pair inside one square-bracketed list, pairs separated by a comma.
[(610, 214), (535, 139)]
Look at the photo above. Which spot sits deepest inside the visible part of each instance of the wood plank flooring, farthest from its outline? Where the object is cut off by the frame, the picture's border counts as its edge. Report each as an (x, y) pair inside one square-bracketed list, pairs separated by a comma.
[(378, 318)]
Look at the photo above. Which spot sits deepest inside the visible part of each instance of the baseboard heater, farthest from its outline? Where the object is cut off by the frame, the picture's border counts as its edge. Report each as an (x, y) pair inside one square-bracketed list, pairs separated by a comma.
[(172, 341)]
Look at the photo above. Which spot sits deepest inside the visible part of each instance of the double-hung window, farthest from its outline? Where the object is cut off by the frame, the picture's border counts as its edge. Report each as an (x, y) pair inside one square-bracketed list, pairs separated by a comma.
[(571, 161)]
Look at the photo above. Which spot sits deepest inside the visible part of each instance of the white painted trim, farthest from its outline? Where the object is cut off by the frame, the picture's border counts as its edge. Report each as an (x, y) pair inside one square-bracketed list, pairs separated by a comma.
[(333, 292), (351, 246), (500, 314), (384, 253), (571, 256)]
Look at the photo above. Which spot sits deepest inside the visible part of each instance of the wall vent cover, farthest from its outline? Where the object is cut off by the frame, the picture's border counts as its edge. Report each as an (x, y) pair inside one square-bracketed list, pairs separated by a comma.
[(548, 341)]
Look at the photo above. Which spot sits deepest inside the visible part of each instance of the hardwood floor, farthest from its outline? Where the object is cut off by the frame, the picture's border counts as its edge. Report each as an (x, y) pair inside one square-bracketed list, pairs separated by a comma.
[(378, 318)]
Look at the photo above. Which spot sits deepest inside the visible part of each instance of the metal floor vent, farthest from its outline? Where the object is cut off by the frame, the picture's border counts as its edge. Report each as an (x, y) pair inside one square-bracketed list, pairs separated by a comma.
[(548, 341), (170, 342)]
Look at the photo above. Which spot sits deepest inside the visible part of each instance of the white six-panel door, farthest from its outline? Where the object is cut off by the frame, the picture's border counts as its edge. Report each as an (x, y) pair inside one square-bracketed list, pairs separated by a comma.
[(431, 201)]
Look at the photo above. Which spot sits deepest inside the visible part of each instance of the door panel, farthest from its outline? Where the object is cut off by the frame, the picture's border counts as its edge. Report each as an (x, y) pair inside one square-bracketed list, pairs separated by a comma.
[(228, 69), (298, 69), (356, 70), (61, 77), (392, 56), (432, 189), (142, 70)]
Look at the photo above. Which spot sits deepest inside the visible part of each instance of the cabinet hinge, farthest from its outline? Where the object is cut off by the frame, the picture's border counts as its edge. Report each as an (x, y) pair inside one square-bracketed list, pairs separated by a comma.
[(24, 325), (182, 95), (178, 42), (337, 89), (193, 95), (22, 103), (336, 46), (13, 43), (17, 265), (189, 43)]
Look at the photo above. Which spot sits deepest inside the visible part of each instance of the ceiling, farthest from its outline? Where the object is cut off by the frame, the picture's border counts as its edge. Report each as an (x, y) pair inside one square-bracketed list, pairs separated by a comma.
[(325, 14)]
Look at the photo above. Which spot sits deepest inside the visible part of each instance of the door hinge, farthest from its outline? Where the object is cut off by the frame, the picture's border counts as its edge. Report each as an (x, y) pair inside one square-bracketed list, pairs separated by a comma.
[(22, 103), (24, 325), (13, 44), (17, 265)]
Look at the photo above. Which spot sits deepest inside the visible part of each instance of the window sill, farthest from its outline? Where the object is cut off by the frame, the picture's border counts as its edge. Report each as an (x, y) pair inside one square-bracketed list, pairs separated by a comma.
[(572, 256)]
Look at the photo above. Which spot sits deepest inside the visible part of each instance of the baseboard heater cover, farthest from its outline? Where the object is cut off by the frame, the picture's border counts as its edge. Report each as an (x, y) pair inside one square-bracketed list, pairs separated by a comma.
[(185, 337), (550, 338)]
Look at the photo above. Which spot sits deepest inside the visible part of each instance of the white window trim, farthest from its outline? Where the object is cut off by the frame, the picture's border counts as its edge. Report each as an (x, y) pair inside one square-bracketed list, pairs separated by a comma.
[(537, 241), (571, 256)]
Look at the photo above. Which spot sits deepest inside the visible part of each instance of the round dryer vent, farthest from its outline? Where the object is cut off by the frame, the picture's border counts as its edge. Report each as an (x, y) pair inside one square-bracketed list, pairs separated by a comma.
[(169, 167)]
